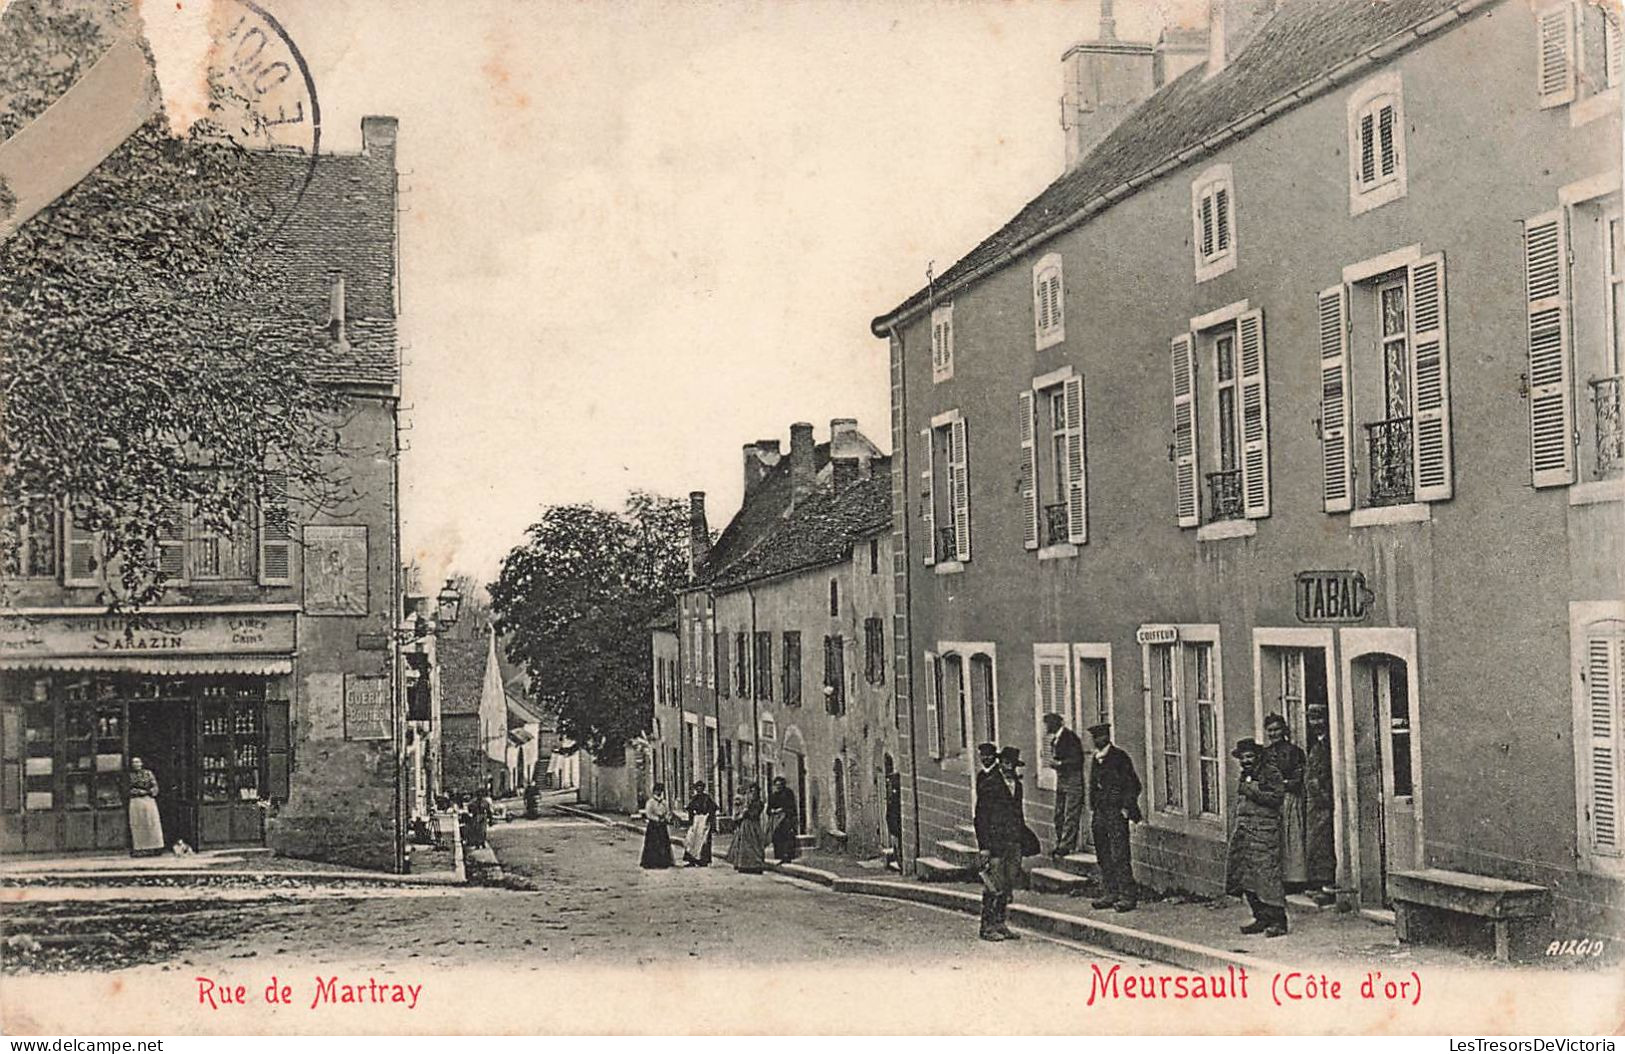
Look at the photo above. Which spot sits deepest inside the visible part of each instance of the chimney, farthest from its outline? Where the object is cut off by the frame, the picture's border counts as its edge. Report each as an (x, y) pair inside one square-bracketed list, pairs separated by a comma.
[(803, 471), (699, 535), (1178, 48), (760, 457), (1232, 24), (843, 472), (1103, 82), (336, 310), (378, 136)]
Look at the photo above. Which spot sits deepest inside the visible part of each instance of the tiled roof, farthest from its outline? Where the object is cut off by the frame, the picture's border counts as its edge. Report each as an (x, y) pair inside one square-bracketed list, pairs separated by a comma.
[(462, 674), (1287, 62), (761, 511), (818, 533)]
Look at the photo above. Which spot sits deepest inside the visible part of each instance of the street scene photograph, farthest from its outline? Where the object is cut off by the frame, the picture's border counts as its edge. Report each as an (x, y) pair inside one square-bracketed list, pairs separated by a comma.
[(812, 517)]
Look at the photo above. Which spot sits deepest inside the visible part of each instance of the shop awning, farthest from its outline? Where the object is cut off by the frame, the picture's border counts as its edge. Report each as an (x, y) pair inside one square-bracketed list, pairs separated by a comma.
[(519, 736), (174, 666)]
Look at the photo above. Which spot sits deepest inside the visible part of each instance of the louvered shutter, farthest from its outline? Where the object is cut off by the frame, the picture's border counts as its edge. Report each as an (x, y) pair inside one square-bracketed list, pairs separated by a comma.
[(1555, 64), (1605, 698), (1077, 480), (276, 534), (928, 500), (1040, 303), (933, 705), (1255, 416), (1336, 451), (959, 458), (722, 664), (1430, 381), (1385, 139), (278, 749), (1551, 387), (1052, 688), (1057, 308), (80, 562), (1187, 500), (172, 541), (1207, 225), (1029, 470), (1613, 64), (1368, 149), (1221, 219)]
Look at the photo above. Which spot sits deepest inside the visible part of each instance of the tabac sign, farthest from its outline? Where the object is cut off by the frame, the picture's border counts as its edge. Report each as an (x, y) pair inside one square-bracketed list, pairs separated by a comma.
[(1333, 596)]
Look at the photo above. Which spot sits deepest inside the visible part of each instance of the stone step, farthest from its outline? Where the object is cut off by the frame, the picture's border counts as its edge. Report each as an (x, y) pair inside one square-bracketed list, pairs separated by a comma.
[(958, 853), (807, 841), (967, 833), (1053, 880), (936, 869), (1084, 864)]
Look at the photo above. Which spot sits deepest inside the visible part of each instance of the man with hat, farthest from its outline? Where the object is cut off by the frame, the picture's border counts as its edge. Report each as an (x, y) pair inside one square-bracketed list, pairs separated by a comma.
[(998, 838), (1320, 842), (1114, 800), (1253, 867), (1066, 758)]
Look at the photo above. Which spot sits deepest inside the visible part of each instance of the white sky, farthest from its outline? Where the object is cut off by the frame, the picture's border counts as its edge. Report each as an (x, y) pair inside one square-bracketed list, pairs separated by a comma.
[(644, 233)]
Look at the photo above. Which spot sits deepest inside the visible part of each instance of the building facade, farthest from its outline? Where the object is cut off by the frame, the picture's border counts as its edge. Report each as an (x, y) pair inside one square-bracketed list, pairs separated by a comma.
[(1300, 387), (263, 688)]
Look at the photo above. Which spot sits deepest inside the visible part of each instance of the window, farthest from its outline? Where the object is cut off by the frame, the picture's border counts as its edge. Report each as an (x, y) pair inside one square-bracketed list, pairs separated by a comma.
[(834, 597), (764, 665), (31, 551), (189, 548), (935, 740), (1186, 703), (874, 650), (1073, 680), (838, 787), (1385, 385), (1221, 420), (276, 532), (834, 675), (792, 668), (660, 684), (945, 492), (1376, 143), (874, 556), (741, 665), (708, 635), (942, 342), (1578, 54), (721, 648), (1049, 310), (1213, 220), (1054, 478)]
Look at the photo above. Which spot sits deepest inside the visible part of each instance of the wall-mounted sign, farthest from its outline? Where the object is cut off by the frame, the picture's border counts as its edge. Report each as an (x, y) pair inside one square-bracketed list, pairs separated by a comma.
[(167, 632), (366, 708), (1333, 596), (335, 570), (1156, 634), (372, 642)]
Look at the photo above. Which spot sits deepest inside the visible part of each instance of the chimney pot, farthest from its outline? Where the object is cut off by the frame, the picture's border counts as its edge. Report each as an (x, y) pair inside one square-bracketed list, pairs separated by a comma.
[(699, 535), (378, 136), (803, 471)]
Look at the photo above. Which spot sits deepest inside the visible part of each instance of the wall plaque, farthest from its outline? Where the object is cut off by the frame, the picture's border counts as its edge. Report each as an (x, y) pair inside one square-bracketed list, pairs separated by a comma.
[(366, 708), (1332, 596), (335, 570)]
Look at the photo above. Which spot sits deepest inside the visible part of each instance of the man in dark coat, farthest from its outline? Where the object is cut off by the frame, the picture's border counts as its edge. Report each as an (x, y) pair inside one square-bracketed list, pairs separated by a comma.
[(894, 818), (998, 842), (786, 821), (1319, 837), (1114, 801), (1067, 759), (1289, 760), (1253, 867)]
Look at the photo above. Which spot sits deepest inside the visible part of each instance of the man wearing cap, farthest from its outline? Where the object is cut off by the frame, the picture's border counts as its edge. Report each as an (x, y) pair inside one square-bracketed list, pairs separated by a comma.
[(1066, 758), (998, 839), (1253, 866), (1320, 842), (1114, 800)]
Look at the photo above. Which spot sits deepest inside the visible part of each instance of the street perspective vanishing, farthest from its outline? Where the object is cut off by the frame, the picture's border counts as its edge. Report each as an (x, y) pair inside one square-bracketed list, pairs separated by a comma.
[(768, 517)]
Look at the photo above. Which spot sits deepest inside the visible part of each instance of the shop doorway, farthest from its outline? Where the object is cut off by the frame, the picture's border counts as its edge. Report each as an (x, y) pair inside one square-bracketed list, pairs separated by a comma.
[(1387, 808), (161, 735)]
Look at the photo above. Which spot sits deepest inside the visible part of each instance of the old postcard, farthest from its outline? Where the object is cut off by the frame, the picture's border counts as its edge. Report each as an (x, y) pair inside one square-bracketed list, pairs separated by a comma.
[(773, 517)]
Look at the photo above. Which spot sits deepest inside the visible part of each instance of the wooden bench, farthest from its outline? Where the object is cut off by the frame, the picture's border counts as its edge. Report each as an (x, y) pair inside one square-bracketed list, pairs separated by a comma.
[(1502, 903)]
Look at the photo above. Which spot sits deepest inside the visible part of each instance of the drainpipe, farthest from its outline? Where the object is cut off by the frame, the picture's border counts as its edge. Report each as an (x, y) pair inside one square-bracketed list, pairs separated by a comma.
[(901, 454)]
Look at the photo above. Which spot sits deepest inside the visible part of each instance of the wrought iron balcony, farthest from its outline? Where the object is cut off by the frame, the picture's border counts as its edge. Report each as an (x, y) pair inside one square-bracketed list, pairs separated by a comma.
[(1224, 495), (1388, 447), (1055, 528), (1610, 440), (947, 544)]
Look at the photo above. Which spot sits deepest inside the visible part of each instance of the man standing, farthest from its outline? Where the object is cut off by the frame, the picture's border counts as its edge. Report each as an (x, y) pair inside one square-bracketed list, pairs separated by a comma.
[(1288, 759), (784, 819), (1253, 867), (1320, 842), (894, 818), (998, 841), (1114, 800), (1066, 758)]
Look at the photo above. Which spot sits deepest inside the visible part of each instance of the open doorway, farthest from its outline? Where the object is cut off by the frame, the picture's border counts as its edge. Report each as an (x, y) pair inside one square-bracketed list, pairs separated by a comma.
[(161, 735), (1385, 749)]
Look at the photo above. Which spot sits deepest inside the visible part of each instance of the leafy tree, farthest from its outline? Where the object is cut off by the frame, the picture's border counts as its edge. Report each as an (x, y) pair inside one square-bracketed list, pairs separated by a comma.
[(574, 602), (152, 357)]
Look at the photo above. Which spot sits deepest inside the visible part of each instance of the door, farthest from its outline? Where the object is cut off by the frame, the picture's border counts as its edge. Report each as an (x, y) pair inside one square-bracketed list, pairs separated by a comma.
[(801, 793), (161, 736), (1385, 749)]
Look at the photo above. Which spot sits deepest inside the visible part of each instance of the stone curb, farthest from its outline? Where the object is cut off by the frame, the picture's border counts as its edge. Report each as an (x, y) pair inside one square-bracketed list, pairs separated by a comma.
[(93, 878)]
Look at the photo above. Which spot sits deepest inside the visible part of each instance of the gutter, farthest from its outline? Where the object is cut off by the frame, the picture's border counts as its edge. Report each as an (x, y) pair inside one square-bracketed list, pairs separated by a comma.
[(915, 305)]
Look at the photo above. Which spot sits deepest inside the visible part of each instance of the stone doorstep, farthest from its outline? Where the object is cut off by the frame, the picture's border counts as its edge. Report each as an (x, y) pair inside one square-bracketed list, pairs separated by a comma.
[(936, 869), (1085, 865), (1050, 880), (959, 854)]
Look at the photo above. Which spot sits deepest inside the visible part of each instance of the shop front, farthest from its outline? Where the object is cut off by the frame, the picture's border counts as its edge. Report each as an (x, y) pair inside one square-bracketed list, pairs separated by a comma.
[(200, 695)]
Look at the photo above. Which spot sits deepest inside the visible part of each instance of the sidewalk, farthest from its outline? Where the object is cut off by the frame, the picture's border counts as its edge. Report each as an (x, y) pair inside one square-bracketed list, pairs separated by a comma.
[(1194, 935)]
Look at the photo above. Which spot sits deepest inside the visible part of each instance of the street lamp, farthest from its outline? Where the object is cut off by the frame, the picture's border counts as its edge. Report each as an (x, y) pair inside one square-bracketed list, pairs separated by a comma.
[(450, 603)]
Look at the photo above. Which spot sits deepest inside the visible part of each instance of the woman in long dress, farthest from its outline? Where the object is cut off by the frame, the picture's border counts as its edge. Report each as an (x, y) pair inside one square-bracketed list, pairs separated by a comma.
[(146, 829), (702, 816), (782, 820), (657, 835), (745, 853), (1289, 760)]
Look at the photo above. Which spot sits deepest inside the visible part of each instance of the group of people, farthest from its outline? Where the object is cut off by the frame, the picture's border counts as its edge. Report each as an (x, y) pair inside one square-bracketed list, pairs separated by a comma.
[(748, 850)]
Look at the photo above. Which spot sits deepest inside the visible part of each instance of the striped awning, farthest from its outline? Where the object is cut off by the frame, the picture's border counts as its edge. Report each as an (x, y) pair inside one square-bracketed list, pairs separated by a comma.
[(174, 666)]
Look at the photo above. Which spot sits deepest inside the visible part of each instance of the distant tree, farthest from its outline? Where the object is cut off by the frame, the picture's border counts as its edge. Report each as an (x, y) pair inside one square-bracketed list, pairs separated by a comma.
[(574, 602), (151, 360)]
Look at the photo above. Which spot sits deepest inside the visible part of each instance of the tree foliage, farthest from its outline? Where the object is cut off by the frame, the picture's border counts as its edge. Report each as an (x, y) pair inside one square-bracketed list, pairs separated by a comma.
[(574, 602), (152, 359)]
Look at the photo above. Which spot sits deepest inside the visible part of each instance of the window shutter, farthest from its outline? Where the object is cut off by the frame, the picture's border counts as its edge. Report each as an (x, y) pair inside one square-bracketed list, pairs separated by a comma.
[(1336, 454), (11, 759), (1077, 481), (276, 535), (1605, 658), (933, 705), (1029, 470), (278, 749), (1555, 64), (1385, 139), (1255, 416), (1611, 43), (1051, 689), (1551, 389), (722, 664), (172, 540), (1207, 225), (1430, 380), (928, 501), (1057, 309), (1221, 219), (1184, 369), (1368, 149), (959, 458), (80, 564)]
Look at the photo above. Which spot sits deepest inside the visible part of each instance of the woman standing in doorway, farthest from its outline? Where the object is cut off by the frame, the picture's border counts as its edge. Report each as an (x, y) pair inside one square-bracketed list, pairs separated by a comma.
[(657, 835), (146, 829), (1289, 760)]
